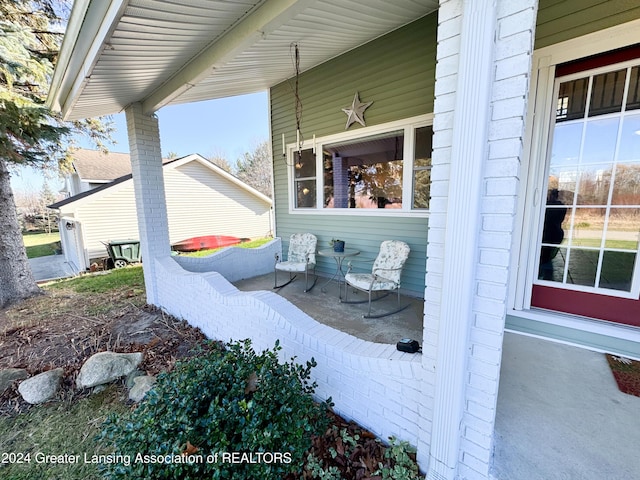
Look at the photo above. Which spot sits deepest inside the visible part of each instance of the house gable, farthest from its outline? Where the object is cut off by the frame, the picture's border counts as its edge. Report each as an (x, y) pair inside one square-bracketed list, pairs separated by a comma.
[(199, 203)]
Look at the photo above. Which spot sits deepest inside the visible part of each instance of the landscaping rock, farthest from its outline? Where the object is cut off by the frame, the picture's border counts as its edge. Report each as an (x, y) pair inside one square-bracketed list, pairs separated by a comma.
[(105, 367), (41, 387), (10, 375), (130, 381), (141, 386)]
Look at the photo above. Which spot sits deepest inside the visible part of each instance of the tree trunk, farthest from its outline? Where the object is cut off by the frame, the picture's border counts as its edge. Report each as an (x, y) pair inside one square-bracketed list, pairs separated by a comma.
[(16, 279)]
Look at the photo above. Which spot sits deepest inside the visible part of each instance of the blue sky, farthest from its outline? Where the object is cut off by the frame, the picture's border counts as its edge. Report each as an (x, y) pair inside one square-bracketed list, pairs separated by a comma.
[(226, 127)]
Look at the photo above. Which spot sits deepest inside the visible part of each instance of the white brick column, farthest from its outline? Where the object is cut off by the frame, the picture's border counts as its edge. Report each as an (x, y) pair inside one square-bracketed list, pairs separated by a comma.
[(482, 76), (146, 166)]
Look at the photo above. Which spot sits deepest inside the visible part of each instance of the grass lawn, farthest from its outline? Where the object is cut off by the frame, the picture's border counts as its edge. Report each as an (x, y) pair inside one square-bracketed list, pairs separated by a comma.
[(130, 277), (41, 244), (65, 428)]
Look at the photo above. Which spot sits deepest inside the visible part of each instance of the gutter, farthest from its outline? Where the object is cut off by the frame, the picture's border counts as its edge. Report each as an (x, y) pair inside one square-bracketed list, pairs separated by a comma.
[(90, 25)]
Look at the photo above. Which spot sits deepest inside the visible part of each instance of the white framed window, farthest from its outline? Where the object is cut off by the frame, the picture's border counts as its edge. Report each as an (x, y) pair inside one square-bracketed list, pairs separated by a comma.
[(380, 170), (589, 235)]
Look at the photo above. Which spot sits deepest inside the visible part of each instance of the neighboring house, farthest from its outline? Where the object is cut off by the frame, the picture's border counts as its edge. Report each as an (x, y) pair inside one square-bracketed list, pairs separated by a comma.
[(202, 199), (93, 168), (498, 114)]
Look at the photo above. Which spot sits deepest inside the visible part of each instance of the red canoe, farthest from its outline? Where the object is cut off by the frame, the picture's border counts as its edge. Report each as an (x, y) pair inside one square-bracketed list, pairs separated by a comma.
[(206, 242)]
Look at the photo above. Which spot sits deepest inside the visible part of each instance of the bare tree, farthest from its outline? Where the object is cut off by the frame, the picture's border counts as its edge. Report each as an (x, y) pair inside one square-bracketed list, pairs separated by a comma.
[(219, 158), (256, 168)]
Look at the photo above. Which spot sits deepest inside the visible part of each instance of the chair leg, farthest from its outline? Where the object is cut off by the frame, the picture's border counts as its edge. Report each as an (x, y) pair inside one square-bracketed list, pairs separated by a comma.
[(386, 314), (371, 299), (306, 280), (276, 286)]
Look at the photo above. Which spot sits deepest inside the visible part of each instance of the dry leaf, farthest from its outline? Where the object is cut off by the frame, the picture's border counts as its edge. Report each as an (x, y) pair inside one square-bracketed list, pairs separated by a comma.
[(190, 449), (252, 383)]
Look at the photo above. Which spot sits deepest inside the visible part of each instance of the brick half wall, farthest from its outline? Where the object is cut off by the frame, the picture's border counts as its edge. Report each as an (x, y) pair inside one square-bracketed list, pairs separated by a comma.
[(235, 263), (370, 383)]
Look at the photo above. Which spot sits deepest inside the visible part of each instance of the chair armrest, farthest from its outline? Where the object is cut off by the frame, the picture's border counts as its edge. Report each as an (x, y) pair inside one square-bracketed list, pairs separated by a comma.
[(359, 260), (386, 270)]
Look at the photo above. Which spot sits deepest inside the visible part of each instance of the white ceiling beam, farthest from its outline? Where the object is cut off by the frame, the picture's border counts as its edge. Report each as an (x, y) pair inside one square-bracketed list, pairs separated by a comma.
[(269, 16)]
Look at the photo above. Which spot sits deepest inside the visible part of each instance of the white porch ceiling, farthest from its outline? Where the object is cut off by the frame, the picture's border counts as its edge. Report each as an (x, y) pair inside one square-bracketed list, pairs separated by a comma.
[(162, 52)]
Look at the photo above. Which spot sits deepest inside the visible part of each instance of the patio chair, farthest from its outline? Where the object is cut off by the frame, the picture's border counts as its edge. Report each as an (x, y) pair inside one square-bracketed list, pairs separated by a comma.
[(384, 277), (300, 258)]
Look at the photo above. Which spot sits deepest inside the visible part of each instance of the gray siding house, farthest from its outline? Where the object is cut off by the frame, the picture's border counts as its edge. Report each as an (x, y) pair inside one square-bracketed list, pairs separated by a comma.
[(202, 199), (501, 143)]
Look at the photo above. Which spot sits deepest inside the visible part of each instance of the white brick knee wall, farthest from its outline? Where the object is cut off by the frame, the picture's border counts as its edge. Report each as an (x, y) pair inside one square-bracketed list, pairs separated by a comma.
[(235, 263), (370, 383)]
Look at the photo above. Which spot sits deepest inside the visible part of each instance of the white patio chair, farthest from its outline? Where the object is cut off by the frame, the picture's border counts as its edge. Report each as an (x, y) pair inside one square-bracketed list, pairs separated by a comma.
[(384, 277), (301, 257)]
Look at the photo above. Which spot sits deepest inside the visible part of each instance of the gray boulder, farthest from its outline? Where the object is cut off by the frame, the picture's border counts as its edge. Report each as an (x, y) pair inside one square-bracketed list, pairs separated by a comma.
[(10, 375), (42, 387), (129, 382), (105, 367), (141, 385)]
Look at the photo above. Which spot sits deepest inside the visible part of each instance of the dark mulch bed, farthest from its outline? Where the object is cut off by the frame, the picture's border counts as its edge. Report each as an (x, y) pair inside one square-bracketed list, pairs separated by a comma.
[(64, 329), (627, 374)]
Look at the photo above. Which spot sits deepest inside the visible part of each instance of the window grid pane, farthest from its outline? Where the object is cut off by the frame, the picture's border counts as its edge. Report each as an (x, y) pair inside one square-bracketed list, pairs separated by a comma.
[(607, 92), (304, 168), (422, 167), (591, 226)]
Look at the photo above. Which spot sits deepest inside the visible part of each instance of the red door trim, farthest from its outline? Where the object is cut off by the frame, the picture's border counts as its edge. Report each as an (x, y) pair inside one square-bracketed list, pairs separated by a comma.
[(601, 307), (601, 60)]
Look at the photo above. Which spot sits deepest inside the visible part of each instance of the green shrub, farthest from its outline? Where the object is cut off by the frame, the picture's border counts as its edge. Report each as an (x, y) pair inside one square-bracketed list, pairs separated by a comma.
[(400, 462), (223, 402)]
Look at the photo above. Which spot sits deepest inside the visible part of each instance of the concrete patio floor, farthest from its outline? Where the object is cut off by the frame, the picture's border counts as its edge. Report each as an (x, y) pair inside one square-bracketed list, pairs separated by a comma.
[(324, 305), (560, 415)]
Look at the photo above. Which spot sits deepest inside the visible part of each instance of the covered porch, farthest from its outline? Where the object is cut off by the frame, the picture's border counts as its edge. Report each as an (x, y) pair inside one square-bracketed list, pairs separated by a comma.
[(475, 91)]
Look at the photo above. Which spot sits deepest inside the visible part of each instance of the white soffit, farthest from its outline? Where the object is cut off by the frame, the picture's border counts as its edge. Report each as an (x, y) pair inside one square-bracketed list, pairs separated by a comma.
[(160, 52)]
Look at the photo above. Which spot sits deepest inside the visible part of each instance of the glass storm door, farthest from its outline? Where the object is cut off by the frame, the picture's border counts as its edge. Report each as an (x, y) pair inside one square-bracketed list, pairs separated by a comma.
[(589, 237)]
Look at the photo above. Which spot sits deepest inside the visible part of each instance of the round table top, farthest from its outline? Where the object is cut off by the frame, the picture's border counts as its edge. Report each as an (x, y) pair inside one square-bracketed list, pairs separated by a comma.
[(348, 252)]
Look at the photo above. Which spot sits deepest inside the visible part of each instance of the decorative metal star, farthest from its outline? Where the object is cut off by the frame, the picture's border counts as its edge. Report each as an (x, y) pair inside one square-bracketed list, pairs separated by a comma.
[(356, 112)]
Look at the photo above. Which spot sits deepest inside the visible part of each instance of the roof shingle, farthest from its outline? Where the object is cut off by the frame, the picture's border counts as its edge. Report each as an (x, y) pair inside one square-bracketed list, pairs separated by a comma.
[(96, 166)]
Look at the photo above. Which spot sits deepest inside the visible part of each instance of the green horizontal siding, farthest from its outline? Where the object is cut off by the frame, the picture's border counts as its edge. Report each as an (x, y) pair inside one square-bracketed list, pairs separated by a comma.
[(559, 21), (397, 73), (364, 234)]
